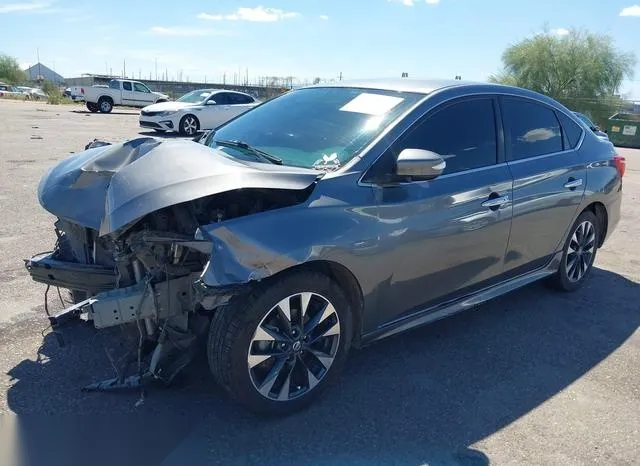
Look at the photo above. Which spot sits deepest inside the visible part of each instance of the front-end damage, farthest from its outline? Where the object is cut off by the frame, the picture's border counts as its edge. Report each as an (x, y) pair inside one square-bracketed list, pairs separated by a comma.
[(141, 261)]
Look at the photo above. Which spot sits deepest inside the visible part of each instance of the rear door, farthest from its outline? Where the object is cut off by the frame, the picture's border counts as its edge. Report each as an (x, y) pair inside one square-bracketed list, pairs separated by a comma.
[(240, 103), (128, 95), (549, 180)]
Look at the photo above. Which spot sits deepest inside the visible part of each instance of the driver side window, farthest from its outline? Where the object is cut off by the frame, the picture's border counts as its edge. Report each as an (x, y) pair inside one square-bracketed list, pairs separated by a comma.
[(140, 87), (463, 134)]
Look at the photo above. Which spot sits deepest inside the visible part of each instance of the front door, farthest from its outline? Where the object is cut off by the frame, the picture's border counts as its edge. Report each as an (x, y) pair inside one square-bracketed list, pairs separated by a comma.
[(445, 237), (143, 95), (549, 181)]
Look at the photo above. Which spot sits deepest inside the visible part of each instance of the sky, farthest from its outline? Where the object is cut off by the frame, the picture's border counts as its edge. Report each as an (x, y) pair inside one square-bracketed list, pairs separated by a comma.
[(302, 38)]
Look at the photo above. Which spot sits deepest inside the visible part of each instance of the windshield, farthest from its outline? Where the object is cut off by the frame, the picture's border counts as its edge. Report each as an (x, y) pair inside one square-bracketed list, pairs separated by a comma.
[(195, 97), (316, 127)]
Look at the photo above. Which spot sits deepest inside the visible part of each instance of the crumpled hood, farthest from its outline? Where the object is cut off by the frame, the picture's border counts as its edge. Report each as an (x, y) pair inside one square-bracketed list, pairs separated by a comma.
[(167, 107), (108, 187)]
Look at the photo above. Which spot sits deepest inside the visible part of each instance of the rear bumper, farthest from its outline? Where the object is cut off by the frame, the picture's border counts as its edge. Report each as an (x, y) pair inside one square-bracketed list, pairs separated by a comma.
[(613, 212), (44, 268)]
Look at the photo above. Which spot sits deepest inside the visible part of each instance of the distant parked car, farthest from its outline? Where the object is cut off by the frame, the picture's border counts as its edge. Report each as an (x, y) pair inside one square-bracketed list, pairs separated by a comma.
[(120, 92), (595, 128), (33, 93), (201, 109), (6, 90)]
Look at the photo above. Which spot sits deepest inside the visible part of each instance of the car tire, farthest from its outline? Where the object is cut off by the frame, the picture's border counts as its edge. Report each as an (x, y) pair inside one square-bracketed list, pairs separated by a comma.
[(189, 125), (243, 332), (93, 108), (105, 105), (578, 255)]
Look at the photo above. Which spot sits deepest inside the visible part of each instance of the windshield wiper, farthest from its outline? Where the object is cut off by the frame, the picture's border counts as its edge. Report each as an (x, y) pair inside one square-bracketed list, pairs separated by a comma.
[(252, 150)]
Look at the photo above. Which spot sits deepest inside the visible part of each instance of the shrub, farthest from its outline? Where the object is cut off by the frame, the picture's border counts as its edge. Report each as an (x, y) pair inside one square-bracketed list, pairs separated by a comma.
[(53, 91)]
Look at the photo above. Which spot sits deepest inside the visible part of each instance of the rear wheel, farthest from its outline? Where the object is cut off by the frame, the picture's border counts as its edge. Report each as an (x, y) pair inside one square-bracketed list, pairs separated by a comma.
[(579, 253), (93, 108), (105, 105), (189, 125), (275, 350)]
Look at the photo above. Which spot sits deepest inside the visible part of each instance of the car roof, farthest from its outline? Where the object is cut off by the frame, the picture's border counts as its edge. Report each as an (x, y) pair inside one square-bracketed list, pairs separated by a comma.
[(420, 86), (428, 86)]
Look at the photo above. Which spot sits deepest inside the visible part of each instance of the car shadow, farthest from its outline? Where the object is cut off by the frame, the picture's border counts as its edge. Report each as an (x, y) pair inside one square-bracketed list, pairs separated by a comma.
[(87, 112), (422, 397)]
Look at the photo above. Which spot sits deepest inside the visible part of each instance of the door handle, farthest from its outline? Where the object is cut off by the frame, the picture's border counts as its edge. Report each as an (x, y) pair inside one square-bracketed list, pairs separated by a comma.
[(495, 202), (573, 184)]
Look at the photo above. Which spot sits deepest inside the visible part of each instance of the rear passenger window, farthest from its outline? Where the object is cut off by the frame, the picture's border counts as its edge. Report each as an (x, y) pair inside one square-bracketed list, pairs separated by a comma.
[(571, 129), (126, 86), (532, 129), (240, 99), (464, 134)]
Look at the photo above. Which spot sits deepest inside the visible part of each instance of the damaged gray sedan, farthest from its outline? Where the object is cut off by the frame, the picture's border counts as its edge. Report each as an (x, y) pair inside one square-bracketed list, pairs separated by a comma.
[(326, 218)]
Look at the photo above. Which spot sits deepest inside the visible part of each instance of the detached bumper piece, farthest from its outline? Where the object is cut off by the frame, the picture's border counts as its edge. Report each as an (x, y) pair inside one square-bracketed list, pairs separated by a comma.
[(44, 268)]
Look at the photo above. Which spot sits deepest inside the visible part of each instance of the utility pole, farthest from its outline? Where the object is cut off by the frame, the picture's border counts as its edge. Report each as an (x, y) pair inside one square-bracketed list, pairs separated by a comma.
[(39, 68), (124, 68), (156, 68), (340, 76)]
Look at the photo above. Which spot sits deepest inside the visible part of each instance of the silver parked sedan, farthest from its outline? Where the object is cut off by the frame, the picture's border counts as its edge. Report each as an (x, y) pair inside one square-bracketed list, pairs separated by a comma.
[(326, 218)]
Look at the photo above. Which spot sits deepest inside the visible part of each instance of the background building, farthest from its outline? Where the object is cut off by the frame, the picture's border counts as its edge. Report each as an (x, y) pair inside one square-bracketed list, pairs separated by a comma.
[(40, 72)]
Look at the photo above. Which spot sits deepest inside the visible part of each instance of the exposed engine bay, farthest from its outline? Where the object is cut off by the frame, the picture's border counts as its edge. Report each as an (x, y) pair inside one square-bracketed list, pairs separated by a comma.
[(146, 276)]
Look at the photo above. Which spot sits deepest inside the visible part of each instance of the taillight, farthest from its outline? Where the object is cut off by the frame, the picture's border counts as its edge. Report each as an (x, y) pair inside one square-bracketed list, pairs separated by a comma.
[(620, 163), (82, 90)]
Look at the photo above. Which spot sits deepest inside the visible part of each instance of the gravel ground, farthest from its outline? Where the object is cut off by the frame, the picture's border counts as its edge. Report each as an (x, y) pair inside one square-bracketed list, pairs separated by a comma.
[(532, 378)]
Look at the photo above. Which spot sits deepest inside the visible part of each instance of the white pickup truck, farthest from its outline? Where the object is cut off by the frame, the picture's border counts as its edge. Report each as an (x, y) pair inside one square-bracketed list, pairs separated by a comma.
[(120, 92)]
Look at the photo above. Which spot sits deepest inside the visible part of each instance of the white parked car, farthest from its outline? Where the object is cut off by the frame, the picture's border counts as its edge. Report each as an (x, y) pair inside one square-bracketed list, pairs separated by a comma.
[(120, 92), (33, 93), (201, 109)]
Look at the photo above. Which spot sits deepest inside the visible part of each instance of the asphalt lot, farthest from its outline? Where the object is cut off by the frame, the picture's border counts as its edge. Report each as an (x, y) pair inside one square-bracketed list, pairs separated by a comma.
[(536, 377)]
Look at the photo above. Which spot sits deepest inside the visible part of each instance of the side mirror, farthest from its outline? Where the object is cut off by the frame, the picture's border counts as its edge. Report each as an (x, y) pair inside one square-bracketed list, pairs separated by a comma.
[(419, 164)]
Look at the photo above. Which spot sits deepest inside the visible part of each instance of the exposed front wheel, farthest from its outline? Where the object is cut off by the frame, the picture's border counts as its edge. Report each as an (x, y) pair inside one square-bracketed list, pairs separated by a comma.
[(276, 349), (189, 125), (579, 253)]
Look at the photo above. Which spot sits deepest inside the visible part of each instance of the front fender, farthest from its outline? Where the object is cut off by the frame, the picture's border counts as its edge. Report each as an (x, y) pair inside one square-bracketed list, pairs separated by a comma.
[(257, 246)]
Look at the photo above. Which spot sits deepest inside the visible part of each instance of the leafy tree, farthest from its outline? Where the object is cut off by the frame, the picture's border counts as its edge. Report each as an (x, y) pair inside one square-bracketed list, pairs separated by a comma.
[(581, 69), (10, 71)]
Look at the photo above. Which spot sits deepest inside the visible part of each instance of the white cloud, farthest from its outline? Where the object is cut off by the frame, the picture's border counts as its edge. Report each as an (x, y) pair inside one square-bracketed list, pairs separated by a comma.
[(404, 2), (631, 11), (413, 2), (560, 32), (324, 17), (257, 14), (183, 32), (23, 7)]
